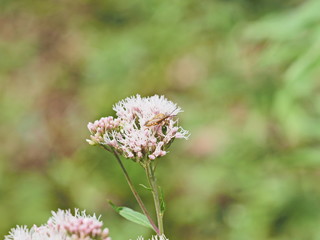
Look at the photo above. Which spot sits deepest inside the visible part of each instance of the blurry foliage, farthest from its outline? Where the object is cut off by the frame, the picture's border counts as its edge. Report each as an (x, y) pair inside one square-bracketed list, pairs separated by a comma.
[(245, 72)]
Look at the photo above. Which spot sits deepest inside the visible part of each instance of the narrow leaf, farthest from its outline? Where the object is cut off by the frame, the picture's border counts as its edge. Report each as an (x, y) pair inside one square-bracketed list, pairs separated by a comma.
[(135, 217), (144, 186), (132, 215)]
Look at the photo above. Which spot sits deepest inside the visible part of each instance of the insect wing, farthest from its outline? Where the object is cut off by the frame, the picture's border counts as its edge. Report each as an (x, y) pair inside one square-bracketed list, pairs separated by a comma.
[(158, 119), (155, 120)]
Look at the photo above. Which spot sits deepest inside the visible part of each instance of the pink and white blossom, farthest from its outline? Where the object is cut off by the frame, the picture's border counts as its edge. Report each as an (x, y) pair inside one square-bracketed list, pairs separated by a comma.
[(154, 238), (18, 233), (131, 133), (99, 127), (35, 233), (63, 225), (78, 226)]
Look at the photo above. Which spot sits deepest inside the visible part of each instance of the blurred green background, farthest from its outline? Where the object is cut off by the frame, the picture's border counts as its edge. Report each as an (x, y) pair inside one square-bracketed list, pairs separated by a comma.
[(246, 72)]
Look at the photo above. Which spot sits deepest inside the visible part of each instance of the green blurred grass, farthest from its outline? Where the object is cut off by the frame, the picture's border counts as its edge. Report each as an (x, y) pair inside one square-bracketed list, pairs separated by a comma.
[(245, 72)]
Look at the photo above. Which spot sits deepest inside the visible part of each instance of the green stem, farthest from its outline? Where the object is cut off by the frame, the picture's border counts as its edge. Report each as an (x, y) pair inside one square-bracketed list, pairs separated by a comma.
[(134, 191), (156, 197)]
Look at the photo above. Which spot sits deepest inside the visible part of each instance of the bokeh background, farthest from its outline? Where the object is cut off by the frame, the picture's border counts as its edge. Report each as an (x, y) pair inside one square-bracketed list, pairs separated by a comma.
[(246, 72)]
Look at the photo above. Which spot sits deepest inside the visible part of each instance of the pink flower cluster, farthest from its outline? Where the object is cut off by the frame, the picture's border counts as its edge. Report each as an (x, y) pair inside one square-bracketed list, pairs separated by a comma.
[(78, 226), (100, 127), (145, 127), (63, 226)]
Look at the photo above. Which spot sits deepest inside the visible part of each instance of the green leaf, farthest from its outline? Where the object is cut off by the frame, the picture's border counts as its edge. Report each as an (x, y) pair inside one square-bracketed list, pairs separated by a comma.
[(162, 203), (150, 189), (132, 215)]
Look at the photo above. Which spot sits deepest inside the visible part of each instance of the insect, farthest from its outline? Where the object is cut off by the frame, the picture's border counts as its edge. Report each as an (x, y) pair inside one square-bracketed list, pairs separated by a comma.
[(158, 119)]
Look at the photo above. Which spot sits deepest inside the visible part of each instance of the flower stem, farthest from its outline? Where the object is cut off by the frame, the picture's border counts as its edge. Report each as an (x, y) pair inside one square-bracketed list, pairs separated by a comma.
[(135, 193), (156, 197)]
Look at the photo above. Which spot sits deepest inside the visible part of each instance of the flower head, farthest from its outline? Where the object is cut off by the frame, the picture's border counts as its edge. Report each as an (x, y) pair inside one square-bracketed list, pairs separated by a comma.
[(63, 226), (35, 233), (18, 233), (78, 226), (162, 237), (144, 128), (100, 127)]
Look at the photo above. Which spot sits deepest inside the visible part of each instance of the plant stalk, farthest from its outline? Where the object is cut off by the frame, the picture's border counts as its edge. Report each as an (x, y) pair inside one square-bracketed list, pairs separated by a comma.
[(156, 197), (135, 193)]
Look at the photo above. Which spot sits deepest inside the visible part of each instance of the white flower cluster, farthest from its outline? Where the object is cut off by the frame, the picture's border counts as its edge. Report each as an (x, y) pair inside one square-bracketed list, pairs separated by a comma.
[(155, 238), (63, 226), (145, 127)]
